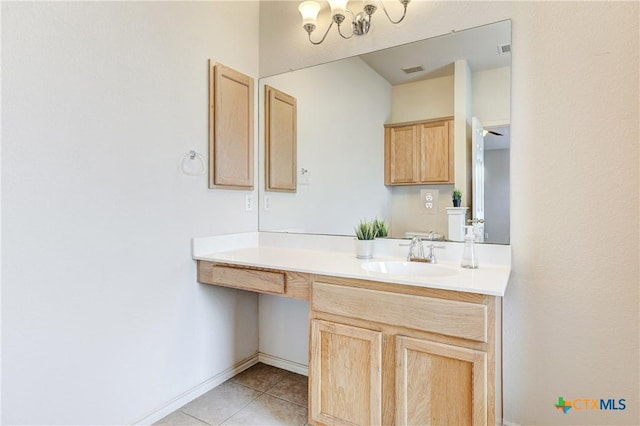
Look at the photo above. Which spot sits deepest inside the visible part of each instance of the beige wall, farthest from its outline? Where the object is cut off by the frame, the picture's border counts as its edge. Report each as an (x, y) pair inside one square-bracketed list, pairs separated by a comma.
[(408, 213), (571, 310), (491, 95), (422, 100)]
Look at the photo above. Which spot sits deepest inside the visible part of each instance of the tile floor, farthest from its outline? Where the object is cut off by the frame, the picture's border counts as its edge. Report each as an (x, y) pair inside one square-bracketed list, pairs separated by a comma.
[(260, 395)]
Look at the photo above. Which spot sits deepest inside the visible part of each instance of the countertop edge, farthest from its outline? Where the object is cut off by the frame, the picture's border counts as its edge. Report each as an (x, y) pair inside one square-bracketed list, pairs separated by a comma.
[(348, 266)]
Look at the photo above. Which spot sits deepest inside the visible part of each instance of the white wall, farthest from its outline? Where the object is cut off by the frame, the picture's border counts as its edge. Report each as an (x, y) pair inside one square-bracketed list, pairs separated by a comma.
[(462, 133), (571, 310), (103, 321), (340, 143), (284, 328)]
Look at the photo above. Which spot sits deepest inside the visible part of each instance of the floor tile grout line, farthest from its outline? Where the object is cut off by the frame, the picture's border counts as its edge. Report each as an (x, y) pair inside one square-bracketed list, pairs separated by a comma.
[(194, 417), (286, 400), (254, 400), (243, 407), (236, 412), (260, 390), (256, 389)]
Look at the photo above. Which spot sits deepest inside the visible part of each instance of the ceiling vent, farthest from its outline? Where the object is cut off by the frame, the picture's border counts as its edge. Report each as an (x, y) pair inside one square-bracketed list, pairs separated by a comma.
[(410, 70), (504, 49)]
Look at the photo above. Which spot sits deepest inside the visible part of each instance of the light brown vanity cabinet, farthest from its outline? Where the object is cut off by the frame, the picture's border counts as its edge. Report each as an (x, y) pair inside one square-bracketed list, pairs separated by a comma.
[(261, 280), (392, 354), (419, 152)]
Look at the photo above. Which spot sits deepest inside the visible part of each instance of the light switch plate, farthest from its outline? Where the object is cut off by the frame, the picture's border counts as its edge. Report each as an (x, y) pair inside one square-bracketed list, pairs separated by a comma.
[(429, 199), (304, 177)]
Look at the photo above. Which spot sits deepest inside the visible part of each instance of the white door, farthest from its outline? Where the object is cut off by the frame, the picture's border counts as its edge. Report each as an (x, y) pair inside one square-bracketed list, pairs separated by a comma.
[(477, 153)]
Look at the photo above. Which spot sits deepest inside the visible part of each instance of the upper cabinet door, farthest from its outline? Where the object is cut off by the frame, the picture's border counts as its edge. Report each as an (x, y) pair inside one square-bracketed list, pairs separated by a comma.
[(280, 141), (230, 128), (435, 150), (401, 155)]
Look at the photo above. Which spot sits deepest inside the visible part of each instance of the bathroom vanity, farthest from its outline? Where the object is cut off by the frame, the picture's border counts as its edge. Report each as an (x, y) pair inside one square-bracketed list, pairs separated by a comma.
[(385, 348)]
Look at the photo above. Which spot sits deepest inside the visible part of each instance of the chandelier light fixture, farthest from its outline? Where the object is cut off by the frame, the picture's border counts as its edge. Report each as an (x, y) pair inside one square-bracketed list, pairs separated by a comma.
[(360, 22)]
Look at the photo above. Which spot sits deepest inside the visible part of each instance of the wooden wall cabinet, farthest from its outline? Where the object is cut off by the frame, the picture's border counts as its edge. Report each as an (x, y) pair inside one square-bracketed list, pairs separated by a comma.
[(401, 355), (230, 128), (419, 152), (280, 141)]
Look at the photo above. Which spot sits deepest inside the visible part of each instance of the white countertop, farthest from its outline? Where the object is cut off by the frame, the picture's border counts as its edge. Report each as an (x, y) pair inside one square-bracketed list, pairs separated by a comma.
[(487, 279)]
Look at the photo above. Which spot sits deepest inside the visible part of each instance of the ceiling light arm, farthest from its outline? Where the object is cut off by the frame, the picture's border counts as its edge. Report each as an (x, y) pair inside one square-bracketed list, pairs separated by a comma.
[(310, 29), (404, 13), (339, 19)]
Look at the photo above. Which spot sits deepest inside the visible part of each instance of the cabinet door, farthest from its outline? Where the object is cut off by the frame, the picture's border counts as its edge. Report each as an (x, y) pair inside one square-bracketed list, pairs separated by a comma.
[(436, 152), (230, 128), (345, 377), (439, 384), (280, 141), (401, 155)]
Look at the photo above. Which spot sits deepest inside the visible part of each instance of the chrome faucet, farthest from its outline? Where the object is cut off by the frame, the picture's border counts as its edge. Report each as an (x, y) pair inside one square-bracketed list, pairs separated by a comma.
[(431, 255), (416, 243)]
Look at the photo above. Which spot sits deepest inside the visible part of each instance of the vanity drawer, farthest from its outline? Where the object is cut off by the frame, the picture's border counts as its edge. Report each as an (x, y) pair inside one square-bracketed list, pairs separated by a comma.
[(446, 317), (245, 279)]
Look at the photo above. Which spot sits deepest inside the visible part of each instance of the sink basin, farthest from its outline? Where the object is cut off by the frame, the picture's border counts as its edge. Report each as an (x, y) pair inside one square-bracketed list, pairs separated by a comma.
[(414, 269)]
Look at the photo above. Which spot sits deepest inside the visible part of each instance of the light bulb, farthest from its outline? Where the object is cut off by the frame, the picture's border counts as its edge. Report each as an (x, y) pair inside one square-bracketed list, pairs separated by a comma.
[(338, 7), (309, 11)]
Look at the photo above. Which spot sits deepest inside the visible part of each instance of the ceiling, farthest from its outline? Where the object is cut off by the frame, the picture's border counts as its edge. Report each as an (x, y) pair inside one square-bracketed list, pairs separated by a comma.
[(479, 46)]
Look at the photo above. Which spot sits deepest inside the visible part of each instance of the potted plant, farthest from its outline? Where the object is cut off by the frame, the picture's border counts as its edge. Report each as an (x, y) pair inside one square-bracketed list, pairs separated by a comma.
[(382, 228), (365, 234), (457, 197)]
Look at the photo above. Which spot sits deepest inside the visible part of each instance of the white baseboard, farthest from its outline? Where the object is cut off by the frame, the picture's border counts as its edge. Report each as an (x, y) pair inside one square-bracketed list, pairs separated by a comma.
[(283, 363), (508, 423), (197, 391)]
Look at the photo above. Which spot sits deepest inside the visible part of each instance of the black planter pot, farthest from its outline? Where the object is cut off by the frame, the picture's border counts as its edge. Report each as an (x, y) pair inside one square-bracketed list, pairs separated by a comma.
[(456, 203)]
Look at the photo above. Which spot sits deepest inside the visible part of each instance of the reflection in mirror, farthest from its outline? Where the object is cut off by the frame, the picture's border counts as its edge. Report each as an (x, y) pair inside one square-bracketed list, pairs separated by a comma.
[(342, 108)]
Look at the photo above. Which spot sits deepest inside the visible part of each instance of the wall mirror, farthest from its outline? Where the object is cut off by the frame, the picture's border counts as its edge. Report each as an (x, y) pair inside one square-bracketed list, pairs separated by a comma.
[(342, 107)]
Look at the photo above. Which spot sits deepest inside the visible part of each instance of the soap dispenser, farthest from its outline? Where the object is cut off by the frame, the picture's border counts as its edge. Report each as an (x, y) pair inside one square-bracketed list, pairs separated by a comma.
[(469, 259)]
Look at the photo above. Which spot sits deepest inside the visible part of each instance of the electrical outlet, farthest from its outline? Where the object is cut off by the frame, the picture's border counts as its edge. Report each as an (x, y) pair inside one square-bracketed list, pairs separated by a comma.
[(429, 200), (248, 202)]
